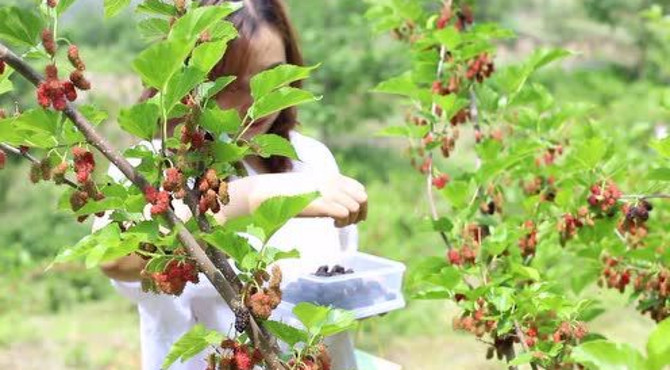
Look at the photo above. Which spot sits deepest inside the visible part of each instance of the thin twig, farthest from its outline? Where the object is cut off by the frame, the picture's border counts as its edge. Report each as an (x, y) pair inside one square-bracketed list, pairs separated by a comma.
[(28, 156)]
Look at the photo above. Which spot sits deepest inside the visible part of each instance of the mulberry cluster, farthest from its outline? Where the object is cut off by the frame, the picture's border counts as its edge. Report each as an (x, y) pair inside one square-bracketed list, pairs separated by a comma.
[(634, 223), (441, 180), (84, 164), (480, 68), (452, 87), (40, 171), (262, 300), (544, 187), (448, 145), (614, 276), (568, 332), (160, 200), (570, 224), (474, 321), (175, 276), (465, 17), (212, 190), (234, 356), (460, 257), (53, 92), (476, 233), (174, 182), (193, 136), (528, 242), (549, 156), (461, 117), (445, 17), (79, 198), (318, 359), (603, 198)]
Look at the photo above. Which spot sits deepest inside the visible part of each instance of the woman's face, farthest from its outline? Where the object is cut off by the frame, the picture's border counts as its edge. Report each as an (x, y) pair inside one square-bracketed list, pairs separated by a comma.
[(265, 50)]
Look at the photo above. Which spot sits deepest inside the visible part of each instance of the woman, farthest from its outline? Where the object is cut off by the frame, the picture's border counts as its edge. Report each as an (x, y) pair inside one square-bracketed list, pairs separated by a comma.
[(266, 39)]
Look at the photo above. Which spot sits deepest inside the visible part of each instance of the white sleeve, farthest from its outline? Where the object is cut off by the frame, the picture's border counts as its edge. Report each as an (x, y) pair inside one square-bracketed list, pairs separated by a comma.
[(318, 158)]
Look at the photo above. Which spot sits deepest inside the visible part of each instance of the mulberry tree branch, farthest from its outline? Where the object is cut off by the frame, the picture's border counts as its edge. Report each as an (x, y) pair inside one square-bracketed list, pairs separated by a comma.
[(222, 277)]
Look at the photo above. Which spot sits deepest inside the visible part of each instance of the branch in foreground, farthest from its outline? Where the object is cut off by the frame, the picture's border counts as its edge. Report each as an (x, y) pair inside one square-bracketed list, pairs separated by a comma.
[(226, 288)]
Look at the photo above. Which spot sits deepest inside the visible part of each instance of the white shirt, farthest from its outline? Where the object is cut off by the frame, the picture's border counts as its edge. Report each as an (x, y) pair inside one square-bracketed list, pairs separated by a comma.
[(164, 319)]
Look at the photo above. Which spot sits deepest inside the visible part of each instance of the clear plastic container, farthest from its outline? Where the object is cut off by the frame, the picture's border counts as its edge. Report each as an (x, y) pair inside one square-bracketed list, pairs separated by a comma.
[(375, 287)]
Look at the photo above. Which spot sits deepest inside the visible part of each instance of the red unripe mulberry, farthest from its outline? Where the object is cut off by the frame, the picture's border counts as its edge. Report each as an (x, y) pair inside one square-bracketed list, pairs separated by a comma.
[(48, 42), (52, 3), (454, 257), (70, 92), (74, 58), (78, 79), (3, 159), (2, 66)]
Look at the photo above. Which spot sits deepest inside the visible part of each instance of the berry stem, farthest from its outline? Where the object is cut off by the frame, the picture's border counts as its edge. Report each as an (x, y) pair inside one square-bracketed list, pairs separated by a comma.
[(10, 149)]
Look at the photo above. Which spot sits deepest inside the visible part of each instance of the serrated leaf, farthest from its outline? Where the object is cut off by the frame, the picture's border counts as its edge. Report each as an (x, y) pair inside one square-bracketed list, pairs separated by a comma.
[(450, 37), (152, 29), (601, 354), (157, 7), (19, 26), (401, 85), (194, 22), (190, 344), (413, 131), (141, 120), (232, 244), (658, 346), (113, 7), (219, 121), (280, 99), (286, 333), (271, 144), (659, 174), (93, 114), (228, 152), (267, 81), (215, 87), (273, 213), (157, 64)]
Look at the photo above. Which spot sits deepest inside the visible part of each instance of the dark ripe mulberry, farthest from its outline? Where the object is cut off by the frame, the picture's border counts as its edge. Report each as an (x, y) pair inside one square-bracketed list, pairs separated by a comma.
[(79, 81), (3, 159), (74, 58), (78, 200), (2, 66), (48, 42), (242, 318), (646, 205)]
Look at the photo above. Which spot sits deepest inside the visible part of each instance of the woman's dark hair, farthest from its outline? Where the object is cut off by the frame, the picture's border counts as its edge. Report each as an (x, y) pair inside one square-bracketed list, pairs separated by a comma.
[(247, 21)]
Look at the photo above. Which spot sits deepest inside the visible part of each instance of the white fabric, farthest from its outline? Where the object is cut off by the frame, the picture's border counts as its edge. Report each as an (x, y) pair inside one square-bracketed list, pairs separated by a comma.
[(163, 319)]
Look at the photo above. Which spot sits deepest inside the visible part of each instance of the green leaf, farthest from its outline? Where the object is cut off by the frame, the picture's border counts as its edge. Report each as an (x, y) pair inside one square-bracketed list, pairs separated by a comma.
[(267, 81), (100, 206), (286, 333), (141, 120), (274, 213), (544, 57), (107, 236), (205, 56), (413, 131), (401, 85), (219, 121), (661, 146), (182, 83), (20, 26), (232, 244), (280, 99), (190, 26), (113, 7), (213, 88), (590, 152), (93, 114), (311, 316), (338, 321), (153, 29), (190, 344), (272, 144), (157, 64), (450, 37), (659, 174), (228, 152), (502, 298), (156, 7), (63, 6), (602, 354), (273, 255), (521, 359), (526, 272), (658, 346)]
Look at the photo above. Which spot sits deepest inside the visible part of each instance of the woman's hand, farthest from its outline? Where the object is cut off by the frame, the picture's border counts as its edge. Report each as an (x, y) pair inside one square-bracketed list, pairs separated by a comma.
[(342, 198)]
